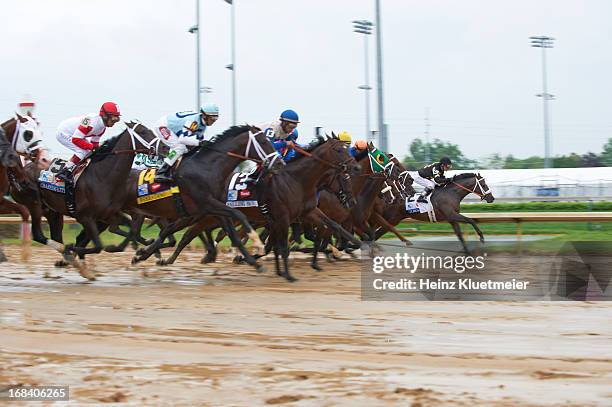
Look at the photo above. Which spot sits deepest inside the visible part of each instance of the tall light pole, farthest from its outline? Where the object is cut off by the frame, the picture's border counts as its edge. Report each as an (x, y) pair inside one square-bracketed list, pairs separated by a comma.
[(382, 133), (232, 66), (365, 27), (544, 42), (195, 29)]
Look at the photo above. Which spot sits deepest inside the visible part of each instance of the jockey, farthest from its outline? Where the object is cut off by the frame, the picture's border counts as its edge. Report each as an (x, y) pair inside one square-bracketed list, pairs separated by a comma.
[(359, 147), (283, 133), (82, 134), (182, 130), (345, 137), (435, 172)]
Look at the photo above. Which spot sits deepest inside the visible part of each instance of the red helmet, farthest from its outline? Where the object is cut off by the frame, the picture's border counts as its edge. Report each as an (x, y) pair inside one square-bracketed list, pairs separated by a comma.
[(110, 109)]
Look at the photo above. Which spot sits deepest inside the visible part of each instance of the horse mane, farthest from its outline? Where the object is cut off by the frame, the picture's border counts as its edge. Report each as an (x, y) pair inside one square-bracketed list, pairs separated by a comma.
[(320, 140), (105, 148), (232, 132), (464, 175)]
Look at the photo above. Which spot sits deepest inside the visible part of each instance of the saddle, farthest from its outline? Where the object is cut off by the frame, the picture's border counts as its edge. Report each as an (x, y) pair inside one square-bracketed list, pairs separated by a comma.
[(241, 191), (414, 206), (48, 180)]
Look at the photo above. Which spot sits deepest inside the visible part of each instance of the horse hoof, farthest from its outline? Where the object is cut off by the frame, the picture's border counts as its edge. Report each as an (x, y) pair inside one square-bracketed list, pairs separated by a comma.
[(135, 260), (408, 243), (61, 263), (238, 260), (111, 249), (140, 252), (291, 279), (161, 262), (207, 259), (260, 268), (149, 242), (316, 267), (3, 257), (482, 240)]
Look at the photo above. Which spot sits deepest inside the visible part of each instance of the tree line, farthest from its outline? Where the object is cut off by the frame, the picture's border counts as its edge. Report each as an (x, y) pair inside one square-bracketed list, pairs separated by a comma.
[(420, 151)]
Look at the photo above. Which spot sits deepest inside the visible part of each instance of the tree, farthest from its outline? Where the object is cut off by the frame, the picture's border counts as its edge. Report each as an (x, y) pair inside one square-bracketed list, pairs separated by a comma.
[(494, 162), (590, 160), (606, 155), (437, 150)]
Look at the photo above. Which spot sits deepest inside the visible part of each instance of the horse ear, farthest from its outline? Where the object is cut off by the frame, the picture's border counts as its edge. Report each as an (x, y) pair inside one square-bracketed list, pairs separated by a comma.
[(20, 117), (334, 135)]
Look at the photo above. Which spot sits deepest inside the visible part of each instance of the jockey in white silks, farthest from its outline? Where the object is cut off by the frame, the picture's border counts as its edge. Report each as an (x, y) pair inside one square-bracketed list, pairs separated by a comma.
[(182, 130)]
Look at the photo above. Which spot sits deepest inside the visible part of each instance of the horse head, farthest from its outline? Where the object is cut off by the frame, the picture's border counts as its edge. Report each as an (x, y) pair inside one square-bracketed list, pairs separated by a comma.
[(474, 183), (342, 166), (27, 140), (400, 179)]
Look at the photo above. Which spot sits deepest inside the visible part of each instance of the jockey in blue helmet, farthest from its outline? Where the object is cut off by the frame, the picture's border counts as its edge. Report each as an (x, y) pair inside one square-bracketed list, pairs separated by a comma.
[(283, 133), (182, 131)]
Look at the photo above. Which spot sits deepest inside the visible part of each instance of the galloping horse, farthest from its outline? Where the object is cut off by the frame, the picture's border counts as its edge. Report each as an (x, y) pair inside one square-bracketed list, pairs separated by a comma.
[(99, 193), (291, 193), (446, 202), (200, 179)]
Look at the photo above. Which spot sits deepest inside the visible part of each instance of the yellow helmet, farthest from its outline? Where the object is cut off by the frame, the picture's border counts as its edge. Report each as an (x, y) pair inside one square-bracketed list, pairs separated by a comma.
[(344, 136)]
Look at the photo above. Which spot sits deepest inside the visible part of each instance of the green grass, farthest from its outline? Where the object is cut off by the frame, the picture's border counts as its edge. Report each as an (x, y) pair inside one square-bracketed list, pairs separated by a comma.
[(539, 207)]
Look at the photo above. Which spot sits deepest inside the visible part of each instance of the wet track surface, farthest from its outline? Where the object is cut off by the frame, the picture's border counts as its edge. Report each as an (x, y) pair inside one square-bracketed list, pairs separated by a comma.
[(192, 334)]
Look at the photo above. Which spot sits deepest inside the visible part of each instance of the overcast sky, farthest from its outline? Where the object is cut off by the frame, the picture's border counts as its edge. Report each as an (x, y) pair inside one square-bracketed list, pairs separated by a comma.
[(468, 61)]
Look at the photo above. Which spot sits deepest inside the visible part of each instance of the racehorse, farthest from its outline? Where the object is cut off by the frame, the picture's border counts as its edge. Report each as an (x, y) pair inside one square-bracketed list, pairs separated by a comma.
[(368, 189), (99, 193), (202, 191), (446, 203), (24, 137), (291, 193)]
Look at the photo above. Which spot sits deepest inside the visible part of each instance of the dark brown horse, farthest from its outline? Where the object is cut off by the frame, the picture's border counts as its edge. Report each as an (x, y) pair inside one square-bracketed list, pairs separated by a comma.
[(446, 202), (388, 186), (200, 178), (298, 202), (99, 193)]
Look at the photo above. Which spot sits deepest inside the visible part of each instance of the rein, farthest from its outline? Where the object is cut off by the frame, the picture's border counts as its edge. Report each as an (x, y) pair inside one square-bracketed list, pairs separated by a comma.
[(473, 191), (310, 155)]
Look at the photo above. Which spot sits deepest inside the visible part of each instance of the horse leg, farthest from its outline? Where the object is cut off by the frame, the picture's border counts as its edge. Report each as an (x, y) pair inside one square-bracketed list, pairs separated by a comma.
[(211, 248), (457, 230), (228, 226), (219, 208), (285, 253), (146, 252), (193, 232), (386, 226), (457, 217)]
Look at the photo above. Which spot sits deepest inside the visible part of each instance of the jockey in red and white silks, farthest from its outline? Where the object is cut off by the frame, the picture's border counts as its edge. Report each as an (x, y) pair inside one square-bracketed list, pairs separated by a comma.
[(82, 134)]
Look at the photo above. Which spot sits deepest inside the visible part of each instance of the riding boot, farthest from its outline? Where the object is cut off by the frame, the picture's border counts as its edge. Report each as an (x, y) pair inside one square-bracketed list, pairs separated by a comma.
[(64, 174), (164, 174), (423, 196)]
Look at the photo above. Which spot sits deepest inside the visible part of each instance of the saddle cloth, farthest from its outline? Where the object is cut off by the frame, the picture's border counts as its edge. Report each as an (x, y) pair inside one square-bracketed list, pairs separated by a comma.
[(149, 190), (412, 206), (47, 178), (241, 191)]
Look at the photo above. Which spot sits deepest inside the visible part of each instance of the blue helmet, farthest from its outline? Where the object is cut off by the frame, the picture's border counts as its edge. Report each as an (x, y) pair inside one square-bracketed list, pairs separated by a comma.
[(290, 116), (210, 109)]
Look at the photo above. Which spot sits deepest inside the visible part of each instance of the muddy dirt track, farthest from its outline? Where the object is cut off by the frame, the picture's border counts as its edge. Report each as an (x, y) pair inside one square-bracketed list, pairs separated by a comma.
[(224, 335)]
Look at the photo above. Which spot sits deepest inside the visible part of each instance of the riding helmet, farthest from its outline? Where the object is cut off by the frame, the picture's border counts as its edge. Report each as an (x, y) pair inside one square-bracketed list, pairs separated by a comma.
[(290, 116)]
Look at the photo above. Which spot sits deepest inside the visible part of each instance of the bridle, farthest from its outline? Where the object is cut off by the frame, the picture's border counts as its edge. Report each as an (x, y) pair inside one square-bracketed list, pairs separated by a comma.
[(264, 158), (482, 194)]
